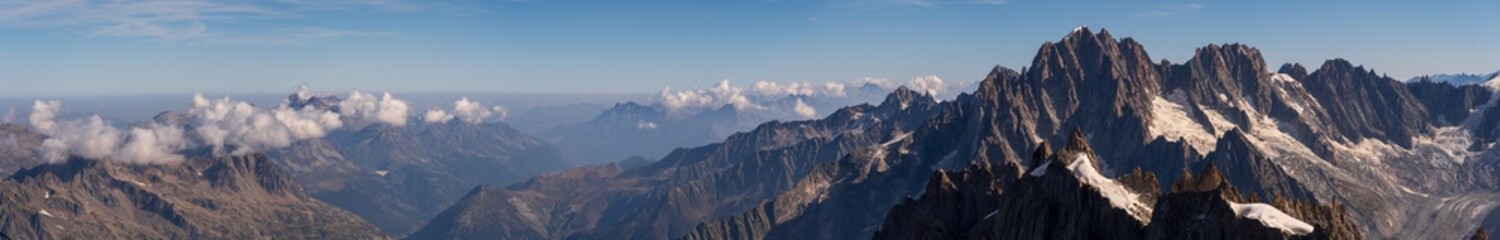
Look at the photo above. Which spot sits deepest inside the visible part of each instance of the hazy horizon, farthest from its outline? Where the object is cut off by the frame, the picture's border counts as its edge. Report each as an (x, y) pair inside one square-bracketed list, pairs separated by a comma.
[(92, 48)]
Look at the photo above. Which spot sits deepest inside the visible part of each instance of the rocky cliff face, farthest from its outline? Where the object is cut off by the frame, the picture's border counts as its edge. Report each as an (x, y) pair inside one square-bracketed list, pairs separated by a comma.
[(1055, 201), (1209, 207), (1065, 197), (203, 198), (1448, 104), (1367, 105)]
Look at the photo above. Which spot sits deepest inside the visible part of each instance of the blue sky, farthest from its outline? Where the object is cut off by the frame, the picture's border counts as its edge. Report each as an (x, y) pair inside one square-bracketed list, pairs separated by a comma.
[(81, 47)]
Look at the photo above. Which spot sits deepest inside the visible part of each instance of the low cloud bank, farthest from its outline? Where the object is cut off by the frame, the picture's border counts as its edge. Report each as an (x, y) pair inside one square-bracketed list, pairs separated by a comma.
[(225, 125)]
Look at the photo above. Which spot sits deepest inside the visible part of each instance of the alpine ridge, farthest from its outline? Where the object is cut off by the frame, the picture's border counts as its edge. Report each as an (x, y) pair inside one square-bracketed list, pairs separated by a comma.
[(202, 198), (1339, 146)]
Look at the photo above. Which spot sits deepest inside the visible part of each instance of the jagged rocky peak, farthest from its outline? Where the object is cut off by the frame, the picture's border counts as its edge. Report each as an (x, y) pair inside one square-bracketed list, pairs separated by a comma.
[(1002, 72), (1447, 103), (171, 118), (1042, 152), (1362, 104), (1065, 197), (1207, 207), (1078, 143), (1209, 179), (1295, 70), (1223, 76), (904, 95), (629, 108), (302, 99)]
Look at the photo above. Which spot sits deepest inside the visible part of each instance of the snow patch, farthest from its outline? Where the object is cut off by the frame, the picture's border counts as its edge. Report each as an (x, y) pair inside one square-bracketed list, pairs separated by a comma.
[(643, 124), (1271, 217), (1217, 120), (382, 173), (1408, 190), (992, 214), (1282, 77), (1041, 170), (1171, 119), (44, 212), (895, 140), (1077, 29), (524, 209), (1083, 169), (1493, 84)]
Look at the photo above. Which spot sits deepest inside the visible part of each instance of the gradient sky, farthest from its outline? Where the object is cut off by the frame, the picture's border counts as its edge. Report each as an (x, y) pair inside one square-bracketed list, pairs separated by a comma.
[(80, 47)]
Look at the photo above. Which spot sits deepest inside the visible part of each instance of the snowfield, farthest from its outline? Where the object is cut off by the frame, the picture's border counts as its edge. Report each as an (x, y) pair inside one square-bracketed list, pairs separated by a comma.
[(1271, 217), (1083, 169)]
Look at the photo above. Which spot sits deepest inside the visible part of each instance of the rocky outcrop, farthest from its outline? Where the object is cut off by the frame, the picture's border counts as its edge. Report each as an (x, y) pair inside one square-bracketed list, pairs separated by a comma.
[(1209, 207), (1065, 198), (1367, 105), (1449, 104), (1250, 169), (952, 203), (1055, 201), (245, 197)]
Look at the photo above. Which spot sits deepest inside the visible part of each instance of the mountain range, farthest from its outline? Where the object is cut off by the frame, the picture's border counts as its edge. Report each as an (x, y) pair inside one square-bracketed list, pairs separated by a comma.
[(1340, 148), (1093, 140)]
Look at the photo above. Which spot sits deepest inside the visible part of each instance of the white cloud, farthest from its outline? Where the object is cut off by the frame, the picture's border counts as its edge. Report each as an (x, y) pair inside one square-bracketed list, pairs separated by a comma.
[(761, 95), (303, 93), (386, 109), (836, 89), (94, 138), (437, 116), (932, 85), (925, 3), (191, 21), (765, 88), (880, 82), (42, 115), (803, 110), (90, 138), (475, 112), (1171, 10), (154, 145), (691, 101), (467, 111), (225, 125)]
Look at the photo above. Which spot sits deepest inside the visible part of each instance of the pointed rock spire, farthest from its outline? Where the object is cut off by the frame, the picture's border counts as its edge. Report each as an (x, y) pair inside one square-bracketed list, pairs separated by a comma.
[(1184, 181), (1209, 179), (1077, 142), (1293, 69), (1043, 151)]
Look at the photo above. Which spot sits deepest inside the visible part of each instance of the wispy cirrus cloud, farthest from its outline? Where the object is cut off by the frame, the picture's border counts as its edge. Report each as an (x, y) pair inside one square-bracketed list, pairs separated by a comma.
[(190, 21), (1171, 10), (924, 3)]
